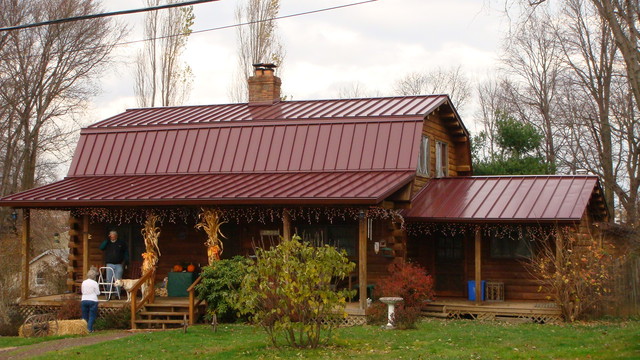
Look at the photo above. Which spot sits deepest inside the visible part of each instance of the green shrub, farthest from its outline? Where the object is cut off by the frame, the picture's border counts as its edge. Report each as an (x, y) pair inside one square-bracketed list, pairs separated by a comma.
[(10, 321), (219, 286), (70, 309), (288, 290), (377, 314), (119, 319)]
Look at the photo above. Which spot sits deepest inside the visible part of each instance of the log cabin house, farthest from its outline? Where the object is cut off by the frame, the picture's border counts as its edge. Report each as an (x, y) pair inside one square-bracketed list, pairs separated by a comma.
[(387, 179)]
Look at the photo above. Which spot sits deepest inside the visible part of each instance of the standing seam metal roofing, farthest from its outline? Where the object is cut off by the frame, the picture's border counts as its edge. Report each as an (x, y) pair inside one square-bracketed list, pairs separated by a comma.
[(324, 151), (534, 198), (289, 110), (367, 145), (231, 188)]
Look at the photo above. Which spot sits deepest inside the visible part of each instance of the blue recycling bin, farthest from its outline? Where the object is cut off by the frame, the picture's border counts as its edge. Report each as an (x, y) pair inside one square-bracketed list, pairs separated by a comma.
[(471, 286)]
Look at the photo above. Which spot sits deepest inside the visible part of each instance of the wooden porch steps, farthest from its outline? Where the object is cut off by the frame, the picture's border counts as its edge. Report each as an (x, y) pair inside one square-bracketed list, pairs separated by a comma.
[(164, 315)]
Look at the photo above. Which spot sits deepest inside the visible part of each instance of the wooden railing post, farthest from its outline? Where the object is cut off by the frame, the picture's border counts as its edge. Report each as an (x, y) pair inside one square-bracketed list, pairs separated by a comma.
[(149, 297), (192, 298)]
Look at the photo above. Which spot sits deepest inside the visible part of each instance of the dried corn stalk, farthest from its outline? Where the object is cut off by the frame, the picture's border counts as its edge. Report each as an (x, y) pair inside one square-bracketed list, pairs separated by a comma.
[(210, 222), (150, 233)]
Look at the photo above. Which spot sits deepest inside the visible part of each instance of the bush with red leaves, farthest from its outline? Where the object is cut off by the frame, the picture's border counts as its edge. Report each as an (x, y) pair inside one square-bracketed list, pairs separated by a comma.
[(410, 282)]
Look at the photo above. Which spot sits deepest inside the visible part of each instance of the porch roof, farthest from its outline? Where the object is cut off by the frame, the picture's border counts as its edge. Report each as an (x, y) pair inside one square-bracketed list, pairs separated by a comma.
[(549, 198), (351, 187)]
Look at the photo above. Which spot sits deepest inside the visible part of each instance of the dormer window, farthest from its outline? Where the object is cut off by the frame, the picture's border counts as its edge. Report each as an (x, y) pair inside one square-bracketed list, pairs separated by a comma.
[(424, 157), (442, 159)]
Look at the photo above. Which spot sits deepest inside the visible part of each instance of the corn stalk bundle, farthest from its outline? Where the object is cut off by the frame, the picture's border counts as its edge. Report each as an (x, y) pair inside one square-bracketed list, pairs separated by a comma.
[(210, 222), (150, 233)]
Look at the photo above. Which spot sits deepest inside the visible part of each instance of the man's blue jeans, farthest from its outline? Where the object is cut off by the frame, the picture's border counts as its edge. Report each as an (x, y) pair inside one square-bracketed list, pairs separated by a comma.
[(117, 273), (89, 312)]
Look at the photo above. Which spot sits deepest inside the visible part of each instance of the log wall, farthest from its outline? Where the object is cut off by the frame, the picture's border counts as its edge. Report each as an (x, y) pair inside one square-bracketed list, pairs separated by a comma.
[(437, 129)]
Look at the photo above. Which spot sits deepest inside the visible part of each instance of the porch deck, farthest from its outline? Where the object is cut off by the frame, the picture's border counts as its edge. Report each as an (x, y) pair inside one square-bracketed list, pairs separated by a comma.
[(47, 303), (520, 311)]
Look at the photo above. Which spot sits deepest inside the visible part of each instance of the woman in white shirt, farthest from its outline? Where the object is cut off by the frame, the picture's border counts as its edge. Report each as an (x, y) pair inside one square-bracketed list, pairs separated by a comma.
[(90, 292)]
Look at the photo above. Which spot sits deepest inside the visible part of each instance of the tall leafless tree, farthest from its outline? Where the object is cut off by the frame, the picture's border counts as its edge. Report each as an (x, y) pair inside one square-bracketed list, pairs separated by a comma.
[(258, 42), (590, 54), (161, 78), (47, 74), (613, 89), (534, 64), (450, 81)]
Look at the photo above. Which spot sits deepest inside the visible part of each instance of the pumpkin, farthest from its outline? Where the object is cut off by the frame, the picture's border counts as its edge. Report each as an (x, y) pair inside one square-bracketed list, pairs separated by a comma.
[(177, 268), (191, 268)]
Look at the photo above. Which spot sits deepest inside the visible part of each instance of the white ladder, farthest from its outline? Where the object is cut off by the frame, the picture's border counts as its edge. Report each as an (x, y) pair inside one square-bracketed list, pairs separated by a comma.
[(107, 288)]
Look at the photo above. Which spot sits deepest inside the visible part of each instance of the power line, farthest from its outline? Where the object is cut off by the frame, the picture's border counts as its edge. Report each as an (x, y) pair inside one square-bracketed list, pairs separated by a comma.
[(101, 15), (225, 26), (248, 23)]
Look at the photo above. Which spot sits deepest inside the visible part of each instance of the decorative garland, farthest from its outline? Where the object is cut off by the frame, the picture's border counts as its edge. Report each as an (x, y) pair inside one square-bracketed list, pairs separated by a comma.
[(513, 231), (248, 214)]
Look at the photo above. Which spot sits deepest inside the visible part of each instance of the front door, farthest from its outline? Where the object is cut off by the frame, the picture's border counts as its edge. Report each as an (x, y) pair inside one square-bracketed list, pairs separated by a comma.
[(449, 269)]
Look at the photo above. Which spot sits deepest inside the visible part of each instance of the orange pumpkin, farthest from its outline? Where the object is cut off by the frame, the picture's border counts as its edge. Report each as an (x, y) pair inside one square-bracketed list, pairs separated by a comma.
[(191, 268), (177, 268)]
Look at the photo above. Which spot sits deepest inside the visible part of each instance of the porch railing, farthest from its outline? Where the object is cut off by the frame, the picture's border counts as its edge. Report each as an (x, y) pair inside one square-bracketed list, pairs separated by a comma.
[(192, 297), (149, 297)]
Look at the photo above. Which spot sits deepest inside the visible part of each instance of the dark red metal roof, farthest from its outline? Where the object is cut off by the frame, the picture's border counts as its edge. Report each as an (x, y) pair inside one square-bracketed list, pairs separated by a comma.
[(250, 147), (505, 198), (355, 187), (338, 151), (412, 106)]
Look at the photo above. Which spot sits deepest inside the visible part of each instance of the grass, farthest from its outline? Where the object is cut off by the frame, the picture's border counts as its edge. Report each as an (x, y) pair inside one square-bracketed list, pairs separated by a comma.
[(11, 341), (434, 339)]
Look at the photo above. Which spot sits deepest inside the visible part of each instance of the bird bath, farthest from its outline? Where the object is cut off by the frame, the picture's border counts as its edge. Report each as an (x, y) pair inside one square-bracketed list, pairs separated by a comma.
[(391, 303)]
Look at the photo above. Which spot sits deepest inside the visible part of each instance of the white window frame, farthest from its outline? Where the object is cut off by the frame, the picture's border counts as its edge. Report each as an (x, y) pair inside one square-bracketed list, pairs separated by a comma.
[(40, 278), (442, 159), (424, 158)]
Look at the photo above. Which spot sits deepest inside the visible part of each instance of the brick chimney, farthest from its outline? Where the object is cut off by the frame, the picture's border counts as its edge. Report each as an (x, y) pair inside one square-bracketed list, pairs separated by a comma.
[(264, 86)]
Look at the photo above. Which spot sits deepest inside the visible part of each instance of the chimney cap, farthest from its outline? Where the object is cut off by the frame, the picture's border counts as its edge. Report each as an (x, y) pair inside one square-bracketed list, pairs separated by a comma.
[(265, 66)]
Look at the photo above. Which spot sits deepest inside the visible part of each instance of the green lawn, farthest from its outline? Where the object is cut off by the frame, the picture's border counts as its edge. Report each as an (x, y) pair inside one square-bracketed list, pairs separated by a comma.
[(434, 339)]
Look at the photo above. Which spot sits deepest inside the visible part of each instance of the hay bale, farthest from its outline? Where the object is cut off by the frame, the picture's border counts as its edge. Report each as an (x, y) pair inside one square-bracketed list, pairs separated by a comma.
[(72, 327), (64, 327)]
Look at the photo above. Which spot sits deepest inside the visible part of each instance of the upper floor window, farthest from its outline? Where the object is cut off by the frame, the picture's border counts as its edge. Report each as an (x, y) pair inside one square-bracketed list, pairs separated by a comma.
[(424, 157), (442, 159)]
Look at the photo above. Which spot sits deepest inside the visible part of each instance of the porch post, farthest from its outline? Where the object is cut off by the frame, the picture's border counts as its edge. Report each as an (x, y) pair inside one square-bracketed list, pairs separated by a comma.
[(85, 245), (478, 265), (26, 244), (286, 225), (362, 262)]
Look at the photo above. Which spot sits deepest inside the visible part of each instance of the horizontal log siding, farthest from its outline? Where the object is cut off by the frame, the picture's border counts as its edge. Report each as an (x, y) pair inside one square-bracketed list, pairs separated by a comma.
[(434, 127)]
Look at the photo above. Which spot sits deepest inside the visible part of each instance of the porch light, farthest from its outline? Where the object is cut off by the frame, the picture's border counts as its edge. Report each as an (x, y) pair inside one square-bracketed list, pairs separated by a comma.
[(14, 215), (56, 238), (361, 214)]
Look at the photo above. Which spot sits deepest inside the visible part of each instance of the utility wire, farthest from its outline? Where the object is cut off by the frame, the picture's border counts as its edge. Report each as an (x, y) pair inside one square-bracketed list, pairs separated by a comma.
[(225, 27), (248, 23), (101, 15)]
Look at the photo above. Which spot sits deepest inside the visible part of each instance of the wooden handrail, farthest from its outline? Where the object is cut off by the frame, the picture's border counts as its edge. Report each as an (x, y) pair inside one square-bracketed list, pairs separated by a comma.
[(146, 298), (192, 304)]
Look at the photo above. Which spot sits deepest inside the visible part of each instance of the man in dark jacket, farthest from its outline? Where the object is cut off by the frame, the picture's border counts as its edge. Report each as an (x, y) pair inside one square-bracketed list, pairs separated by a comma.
[(116, 253)]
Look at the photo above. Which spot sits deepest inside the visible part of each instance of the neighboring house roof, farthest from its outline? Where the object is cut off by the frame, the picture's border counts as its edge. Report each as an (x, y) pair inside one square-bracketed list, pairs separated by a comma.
[(59, 253), (542, 198), (350, 151)]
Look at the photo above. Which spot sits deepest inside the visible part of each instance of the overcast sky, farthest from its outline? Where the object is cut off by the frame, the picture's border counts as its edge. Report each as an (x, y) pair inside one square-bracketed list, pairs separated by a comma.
[(373, 44)]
